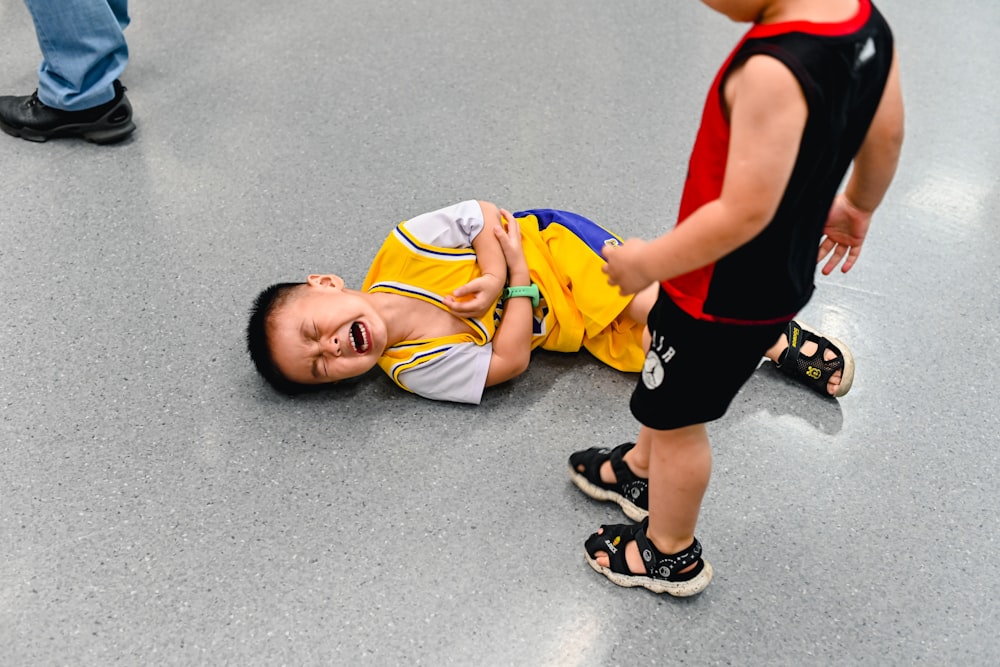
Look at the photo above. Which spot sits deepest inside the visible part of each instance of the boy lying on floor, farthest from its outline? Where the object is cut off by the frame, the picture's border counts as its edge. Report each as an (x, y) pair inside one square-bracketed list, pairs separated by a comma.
[(456, 300)]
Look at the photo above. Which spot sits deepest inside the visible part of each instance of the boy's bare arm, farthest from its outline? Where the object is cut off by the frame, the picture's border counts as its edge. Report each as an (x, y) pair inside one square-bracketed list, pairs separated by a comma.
[(875, 163), (874, 168), (512, 340), (767, 113), (476, 297), (489, 254)]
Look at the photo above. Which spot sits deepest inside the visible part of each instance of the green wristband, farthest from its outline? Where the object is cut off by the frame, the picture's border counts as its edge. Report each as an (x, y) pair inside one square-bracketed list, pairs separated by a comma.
[(523, 290)]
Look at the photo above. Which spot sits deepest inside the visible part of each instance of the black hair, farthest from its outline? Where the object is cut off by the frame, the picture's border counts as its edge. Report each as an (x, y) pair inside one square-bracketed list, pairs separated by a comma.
[(264, 306)]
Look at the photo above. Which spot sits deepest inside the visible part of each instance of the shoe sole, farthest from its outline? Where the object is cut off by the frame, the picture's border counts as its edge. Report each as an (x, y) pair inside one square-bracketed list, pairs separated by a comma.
[(630, 509), (102, 131), (100, 137), (677, 589)]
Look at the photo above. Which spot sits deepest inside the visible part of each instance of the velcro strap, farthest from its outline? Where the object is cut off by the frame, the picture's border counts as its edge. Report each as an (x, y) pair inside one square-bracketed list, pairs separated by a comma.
[(622, 472), (658, 564)]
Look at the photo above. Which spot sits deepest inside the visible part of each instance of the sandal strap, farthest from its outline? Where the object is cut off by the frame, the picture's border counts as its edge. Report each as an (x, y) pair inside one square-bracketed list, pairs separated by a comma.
[(630, 491), (667, 566), (623, 473), (633, 488), (613, 539), (814, 370), (592, 459)]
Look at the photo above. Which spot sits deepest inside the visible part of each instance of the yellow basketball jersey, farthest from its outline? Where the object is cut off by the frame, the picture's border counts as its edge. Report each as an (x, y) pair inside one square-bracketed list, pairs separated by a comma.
[(577, 307)]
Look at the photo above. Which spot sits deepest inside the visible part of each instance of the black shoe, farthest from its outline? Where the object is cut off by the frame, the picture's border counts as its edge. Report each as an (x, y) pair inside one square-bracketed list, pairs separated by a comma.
[(27, 117)]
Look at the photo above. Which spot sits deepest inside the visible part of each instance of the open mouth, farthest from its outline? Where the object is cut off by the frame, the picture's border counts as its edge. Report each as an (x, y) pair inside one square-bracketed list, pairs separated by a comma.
[(361, 339)]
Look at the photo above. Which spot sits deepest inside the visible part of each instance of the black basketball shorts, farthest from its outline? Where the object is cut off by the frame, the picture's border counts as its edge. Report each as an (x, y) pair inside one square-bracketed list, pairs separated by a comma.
[(694, 368)]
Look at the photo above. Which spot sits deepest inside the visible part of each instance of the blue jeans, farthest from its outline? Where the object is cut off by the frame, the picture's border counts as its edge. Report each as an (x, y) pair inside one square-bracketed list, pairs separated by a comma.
[(83, 50)]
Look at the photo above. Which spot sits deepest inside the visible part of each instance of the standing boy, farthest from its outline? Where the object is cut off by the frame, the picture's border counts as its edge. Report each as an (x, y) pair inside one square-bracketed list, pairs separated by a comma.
[(811, 87)]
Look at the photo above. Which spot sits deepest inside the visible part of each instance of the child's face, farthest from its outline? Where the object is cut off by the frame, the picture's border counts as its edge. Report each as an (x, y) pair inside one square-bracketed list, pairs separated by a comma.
[(324, 334)]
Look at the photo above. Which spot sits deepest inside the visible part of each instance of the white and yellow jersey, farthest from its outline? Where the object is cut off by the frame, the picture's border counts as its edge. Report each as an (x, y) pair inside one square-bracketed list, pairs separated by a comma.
[(431, 255)]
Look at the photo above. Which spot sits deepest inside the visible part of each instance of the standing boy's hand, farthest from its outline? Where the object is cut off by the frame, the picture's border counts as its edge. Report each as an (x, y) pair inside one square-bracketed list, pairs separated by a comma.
[(846, 228), (624, 266)]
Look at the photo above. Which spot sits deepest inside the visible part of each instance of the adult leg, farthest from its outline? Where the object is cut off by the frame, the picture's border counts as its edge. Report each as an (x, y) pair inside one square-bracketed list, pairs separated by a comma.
[(83, 50), (79, 95), (120, 10)]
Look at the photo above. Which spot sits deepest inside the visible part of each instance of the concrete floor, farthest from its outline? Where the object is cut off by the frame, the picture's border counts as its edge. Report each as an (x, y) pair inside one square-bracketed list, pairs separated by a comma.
[(159, 505)]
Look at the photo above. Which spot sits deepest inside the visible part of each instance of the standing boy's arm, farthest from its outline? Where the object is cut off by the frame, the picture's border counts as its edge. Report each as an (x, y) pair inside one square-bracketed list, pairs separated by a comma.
[(476, 297), (512, 340), (874, 168), (767, 115)]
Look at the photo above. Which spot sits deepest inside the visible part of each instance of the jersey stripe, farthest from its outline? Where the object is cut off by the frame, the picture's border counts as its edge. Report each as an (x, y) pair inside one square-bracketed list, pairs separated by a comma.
[(413, 361), (409, 290), (420, 248)]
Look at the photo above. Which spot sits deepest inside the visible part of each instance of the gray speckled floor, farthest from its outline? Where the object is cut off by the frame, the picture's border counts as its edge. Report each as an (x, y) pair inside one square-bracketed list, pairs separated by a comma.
[(158, 505)]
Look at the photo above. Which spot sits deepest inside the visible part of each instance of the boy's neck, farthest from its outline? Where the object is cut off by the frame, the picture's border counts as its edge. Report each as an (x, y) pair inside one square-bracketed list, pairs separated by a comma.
[(814, 11), (407, 318)]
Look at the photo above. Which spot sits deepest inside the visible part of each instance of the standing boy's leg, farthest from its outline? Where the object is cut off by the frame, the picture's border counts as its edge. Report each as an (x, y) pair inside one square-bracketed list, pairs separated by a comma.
[(685, 382), (680, 460), (681, 463)]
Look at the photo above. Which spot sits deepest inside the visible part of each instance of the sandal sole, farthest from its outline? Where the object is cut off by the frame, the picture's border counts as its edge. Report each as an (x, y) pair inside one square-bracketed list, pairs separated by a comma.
[(630, 509), (679, 589)]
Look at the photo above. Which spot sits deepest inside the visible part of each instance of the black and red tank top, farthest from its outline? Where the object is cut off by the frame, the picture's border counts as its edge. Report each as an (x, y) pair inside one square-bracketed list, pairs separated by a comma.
[(842, 69)]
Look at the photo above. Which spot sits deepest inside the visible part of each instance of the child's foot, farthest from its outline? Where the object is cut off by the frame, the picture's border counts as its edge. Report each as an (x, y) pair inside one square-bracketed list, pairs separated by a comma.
[(626, 556), (602, 474), (823, 364)]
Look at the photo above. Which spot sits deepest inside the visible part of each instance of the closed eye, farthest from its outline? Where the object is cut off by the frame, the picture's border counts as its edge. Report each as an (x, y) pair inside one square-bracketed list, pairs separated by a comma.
[(326, 371), (314, 366)]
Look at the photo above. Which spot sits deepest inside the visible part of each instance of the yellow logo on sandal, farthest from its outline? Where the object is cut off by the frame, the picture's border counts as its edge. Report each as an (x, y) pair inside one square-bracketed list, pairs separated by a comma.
[(814, 372)]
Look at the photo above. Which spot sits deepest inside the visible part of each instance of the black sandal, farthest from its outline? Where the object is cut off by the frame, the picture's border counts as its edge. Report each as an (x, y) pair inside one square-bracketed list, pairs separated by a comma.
[(663, 572), (630, 492), (815, 371)]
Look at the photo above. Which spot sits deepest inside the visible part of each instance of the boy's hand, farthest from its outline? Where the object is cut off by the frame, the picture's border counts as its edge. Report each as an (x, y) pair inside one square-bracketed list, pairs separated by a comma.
[(846, 228), (623, 266), (474, 298), (510, 242)]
